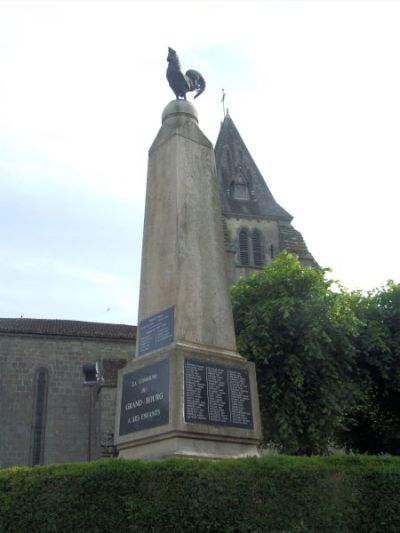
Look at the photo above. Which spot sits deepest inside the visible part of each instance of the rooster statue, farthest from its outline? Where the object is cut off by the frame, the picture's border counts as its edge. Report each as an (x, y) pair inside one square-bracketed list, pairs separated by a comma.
[(182, 83)]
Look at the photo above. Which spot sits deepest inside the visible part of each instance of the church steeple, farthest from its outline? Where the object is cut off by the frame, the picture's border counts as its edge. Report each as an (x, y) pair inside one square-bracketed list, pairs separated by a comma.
[(256, 227), (243, 191)]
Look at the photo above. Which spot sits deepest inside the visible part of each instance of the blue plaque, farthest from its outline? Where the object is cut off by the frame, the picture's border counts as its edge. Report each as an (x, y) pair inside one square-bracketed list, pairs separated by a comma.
[(156, 331)]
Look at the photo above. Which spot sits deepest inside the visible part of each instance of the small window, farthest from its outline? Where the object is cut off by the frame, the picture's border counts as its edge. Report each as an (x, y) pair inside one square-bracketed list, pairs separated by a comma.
[(39, 415), (272, 251), (244, 247), (240, 191), (257, 248)]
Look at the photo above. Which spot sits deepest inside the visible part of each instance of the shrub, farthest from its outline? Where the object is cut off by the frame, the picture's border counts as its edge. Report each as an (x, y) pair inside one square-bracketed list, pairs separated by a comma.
[(272, 494)]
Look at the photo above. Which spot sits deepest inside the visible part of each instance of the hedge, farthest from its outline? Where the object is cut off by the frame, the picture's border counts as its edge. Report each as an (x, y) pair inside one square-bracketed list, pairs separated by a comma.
[(271, 494)]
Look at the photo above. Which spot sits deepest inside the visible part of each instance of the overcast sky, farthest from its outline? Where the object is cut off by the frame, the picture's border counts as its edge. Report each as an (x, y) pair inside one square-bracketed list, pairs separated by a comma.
[(313, 87)]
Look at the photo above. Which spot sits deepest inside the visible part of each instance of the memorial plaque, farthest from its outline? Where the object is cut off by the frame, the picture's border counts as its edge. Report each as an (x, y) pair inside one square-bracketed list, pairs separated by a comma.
[(145, 398), (217, 394), (156, 331)]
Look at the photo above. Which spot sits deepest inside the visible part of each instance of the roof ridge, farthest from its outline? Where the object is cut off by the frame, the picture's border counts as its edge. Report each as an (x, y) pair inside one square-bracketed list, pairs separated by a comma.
[(70, 328)]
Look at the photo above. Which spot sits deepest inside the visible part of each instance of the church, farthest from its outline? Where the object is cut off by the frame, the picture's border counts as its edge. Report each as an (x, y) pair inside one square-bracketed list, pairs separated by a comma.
[(48, 413), (256, 227)]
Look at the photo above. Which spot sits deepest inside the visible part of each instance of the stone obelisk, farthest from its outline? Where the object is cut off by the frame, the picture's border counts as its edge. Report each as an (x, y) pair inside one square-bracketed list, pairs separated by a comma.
[(188, 392), (183, 249)]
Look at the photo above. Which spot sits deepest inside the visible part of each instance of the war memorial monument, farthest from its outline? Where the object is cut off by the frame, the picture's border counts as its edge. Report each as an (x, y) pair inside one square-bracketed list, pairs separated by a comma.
[(188, 392), (41, 360)]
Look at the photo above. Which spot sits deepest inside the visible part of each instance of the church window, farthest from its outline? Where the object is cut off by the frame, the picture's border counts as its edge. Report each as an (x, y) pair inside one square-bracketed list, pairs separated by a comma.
[(272, 251), (39, 415), (257, 248), (241, 191), (244, 247), (250, 249)]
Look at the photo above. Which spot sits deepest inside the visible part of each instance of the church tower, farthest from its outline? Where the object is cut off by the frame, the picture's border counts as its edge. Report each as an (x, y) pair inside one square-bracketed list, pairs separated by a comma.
[(256, 227)]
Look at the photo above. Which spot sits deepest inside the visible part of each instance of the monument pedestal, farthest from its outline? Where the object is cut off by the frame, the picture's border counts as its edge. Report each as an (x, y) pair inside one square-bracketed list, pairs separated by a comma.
[(188, 401)]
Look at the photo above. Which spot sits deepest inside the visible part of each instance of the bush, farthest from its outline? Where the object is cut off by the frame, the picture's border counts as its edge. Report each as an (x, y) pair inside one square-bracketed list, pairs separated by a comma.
[(272, 494)]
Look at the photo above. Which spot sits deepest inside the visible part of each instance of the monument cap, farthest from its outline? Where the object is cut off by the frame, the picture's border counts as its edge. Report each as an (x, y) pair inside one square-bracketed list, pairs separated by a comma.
[(179, 109)]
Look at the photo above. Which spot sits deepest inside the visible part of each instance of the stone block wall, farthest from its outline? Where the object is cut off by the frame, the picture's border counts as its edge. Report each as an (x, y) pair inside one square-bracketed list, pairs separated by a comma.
[(66, 413)]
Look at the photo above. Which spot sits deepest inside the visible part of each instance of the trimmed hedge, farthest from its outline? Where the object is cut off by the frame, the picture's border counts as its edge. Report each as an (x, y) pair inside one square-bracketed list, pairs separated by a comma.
[(272, 494)]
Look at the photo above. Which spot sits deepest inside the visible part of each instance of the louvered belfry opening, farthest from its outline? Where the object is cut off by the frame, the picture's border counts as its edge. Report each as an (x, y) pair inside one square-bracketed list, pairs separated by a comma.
[(244, 247), (257, 248)]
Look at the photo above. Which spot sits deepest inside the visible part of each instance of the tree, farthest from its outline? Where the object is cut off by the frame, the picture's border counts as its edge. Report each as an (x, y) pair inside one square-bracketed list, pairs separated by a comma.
[(299, 332), (372, 423)]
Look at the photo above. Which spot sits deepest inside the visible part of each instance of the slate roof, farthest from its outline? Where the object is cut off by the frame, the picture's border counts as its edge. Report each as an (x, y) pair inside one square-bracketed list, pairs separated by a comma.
[(67, 328), (292, 241), (239, 161)]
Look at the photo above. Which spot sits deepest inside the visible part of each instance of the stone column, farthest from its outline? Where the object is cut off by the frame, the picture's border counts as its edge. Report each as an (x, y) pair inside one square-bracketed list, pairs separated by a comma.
[(188, 391)]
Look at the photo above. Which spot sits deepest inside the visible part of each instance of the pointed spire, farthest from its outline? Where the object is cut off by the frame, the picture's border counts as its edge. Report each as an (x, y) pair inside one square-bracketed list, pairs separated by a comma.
[(243, 190), (245, 196)]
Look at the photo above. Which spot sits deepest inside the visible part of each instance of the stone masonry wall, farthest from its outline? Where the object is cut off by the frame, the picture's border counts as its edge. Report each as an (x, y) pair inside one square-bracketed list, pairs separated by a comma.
[(67, 412)]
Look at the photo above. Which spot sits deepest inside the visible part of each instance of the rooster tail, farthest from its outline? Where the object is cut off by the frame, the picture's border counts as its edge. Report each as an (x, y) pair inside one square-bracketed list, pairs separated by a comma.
[(196, 82), (200, 90)]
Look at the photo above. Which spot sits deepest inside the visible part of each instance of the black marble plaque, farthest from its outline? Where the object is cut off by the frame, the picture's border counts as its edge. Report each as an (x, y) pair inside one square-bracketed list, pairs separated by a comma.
[(145, 398), (217, 394), (156, 331)]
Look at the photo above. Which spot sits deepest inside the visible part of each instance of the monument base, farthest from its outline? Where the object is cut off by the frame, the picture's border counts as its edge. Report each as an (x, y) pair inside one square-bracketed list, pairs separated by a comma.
[(188, 401), (190, 448)]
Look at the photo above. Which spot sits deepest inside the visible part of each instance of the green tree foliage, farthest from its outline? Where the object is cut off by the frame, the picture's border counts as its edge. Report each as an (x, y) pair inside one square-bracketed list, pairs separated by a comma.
[(372, 422), (299, 332)]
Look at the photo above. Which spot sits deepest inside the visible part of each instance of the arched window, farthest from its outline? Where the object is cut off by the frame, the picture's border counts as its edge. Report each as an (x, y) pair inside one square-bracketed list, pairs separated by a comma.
[(39, 415), (257, 248), (244, 247)]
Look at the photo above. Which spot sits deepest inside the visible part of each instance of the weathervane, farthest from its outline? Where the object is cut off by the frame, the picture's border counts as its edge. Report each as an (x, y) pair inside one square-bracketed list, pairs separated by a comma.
[(223, 102)]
